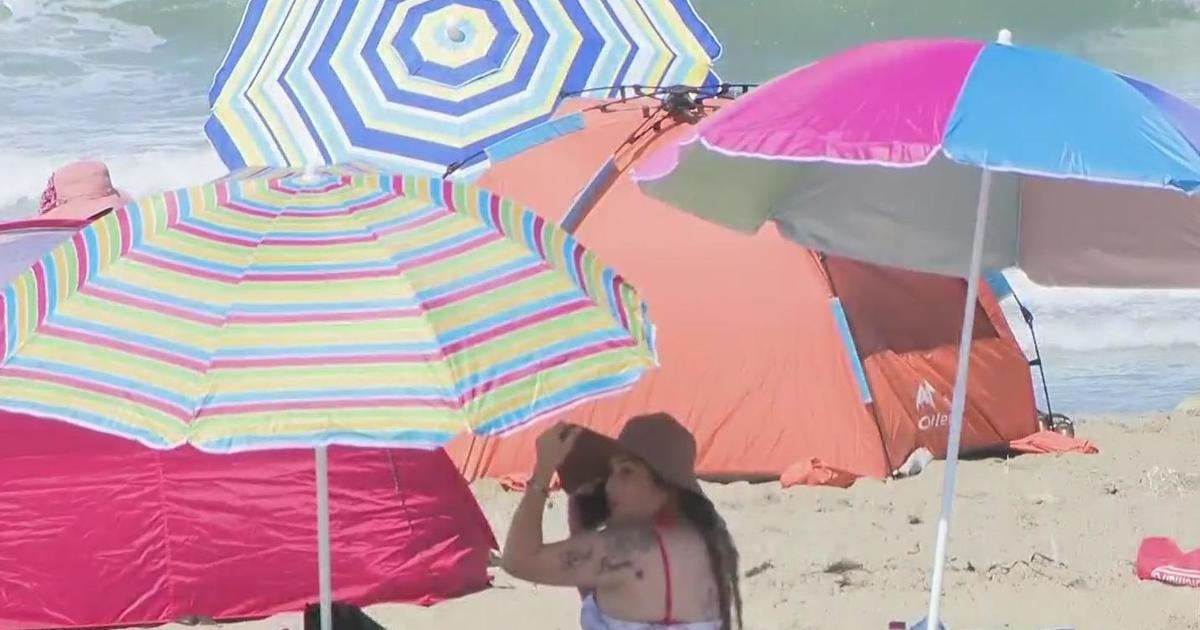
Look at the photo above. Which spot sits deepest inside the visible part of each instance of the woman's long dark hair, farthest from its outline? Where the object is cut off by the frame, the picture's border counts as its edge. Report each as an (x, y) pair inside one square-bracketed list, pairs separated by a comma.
[(722, 554)]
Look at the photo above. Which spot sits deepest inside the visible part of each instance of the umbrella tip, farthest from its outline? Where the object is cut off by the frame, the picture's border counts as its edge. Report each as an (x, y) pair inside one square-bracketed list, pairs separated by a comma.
[(1005, 37), (455, 32)]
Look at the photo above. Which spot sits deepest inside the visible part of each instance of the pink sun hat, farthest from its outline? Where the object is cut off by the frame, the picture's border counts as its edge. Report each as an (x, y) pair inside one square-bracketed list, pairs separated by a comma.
[(80, 191)]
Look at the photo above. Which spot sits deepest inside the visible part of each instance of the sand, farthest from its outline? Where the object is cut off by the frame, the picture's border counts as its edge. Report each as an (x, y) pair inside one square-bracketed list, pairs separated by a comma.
[(1039, 542)]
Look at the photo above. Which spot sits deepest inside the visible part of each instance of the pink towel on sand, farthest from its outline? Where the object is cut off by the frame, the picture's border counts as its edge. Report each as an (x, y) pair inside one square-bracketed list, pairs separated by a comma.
[(1159, 558)]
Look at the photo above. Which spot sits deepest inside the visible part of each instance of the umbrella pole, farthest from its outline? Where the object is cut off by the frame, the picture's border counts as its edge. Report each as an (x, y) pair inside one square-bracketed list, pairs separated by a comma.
[(324, 559), (958, 403)]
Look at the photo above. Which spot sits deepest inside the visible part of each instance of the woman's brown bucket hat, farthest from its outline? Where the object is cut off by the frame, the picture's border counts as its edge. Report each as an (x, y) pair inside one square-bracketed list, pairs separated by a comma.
[(658, 440)]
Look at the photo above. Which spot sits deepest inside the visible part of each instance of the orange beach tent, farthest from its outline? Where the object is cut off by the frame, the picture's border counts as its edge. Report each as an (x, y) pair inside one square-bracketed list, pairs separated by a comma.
[(783, 362)]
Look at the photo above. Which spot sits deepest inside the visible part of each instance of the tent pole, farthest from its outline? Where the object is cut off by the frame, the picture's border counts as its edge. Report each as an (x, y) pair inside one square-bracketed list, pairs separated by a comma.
[(958, 403), (324, 559), (1027, 315), (823, 260), (590, 194)]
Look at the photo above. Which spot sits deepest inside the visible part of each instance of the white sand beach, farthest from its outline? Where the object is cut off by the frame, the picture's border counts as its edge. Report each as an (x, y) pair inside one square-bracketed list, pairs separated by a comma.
[(1039, 542)]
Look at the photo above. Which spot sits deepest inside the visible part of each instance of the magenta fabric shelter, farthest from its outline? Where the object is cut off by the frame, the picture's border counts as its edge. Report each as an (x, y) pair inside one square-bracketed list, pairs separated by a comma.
[(99, 531)]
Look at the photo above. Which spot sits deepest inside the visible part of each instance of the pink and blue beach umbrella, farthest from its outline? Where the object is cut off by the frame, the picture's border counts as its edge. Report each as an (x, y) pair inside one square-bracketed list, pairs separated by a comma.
[(875, 153), (1077, 174)]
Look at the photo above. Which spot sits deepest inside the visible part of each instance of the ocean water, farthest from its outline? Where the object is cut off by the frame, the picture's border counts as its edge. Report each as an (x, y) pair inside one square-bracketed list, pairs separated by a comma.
[(126, 81)]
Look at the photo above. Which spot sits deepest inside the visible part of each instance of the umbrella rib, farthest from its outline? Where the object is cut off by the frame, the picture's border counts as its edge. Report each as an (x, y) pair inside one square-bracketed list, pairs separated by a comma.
[(230, 306), (452, 384), (724, 91)]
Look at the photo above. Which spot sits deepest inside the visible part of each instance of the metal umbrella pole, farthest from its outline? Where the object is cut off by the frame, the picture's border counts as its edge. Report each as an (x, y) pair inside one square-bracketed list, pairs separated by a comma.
[(958, 403), (324, 556)]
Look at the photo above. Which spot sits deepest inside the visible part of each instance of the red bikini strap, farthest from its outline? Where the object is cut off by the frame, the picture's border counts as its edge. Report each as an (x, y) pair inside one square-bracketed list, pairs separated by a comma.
[(662, 549)]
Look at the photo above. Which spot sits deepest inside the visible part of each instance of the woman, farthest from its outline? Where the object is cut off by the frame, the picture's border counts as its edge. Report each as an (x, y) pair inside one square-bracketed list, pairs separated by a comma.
[(662, 557)]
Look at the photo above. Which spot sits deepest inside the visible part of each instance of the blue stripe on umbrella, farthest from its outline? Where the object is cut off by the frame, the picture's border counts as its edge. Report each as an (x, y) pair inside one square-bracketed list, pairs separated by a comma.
[(295, 100), (1061, 101), (1183, 115), (252, 15)]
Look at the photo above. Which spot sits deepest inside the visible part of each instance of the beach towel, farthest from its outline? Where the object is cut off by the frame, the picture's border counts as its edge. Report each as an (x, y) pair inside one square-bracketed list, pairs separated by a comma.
[(814, 472), (1051, 442), (1159, 558)]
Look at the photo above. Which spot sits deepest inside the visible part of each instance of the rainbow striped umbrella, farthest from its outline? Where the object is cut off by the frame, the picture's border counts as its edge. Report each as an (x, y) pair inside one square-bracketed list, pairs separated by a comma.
[(423, 84), (274, 310), (277, 309)]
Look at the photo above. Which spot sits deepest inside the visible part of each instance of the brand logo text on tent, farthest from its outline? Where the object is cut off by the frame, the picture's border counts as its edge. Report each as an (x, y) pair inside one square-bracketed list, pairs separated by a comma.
[(926, 403)]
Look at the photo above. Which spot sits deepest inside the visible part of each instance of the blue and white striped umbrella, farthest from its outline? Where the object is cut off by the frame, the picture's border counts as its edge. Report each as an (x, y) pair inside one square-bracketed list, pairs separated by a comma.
[(424, 84)]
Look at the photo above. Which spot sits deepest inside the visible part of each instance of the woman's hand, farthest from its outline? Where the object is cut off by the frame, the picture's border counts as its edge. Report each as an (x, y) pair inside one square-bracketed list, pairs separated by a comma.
[(554, 444)]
